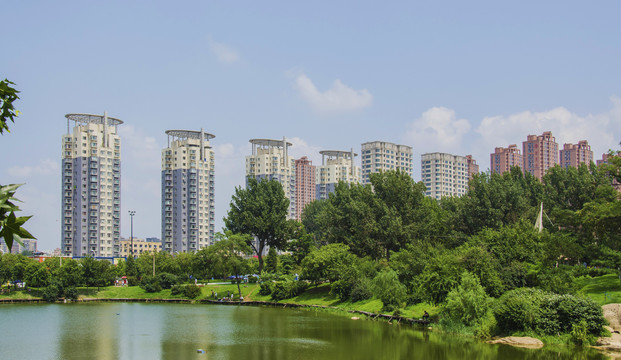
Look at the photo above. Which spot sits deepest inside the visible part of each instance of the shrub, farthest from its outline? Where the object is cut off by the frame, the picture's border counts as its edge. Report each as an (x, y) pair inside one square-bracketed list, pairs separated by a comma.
[(132, 281), (167, 280), (519, 309), (361, 290), (341, 289), (176, 290), (265, 288), (287, 289), (389, 290), (192, 291), (71, 293), (468, 303), (547, 313), (150, 284), (56, 290), (52, 292)]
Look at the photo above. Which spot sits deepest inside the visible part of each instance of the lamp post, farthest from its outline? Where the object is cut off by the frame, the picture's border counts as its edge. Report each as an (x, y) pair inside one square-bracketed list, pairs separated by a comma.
[(131, 217)]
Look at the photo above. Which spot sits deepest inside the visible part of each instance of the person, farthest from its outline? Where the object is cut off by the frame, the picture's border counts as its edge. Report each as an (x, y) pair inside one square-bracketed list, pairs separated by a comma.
[(212, 294), (426, 316)]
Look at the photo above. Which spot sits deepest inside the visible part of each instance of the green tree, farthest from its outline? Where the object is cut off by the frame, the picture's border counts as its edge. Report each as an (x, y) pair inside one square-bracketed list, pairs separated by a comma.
[(494, 200), (260, 210), (389, 290), (467, 303), (301, 244), (314, 219), (327, 263), (130, 267), (271, 261), (71, 273), (36, 274), (230, 252)]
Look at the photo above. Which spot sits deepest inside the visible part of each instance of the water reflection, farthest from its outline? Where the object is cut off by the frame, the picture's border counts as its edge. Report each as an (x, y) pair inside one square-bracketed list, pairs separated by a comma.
[(176, 331)]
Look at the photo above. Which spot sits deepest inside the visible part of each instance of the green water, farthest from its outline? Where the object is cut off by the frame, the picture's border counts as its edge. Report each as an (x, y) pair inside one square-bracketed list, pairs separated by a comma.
[(176, 331)]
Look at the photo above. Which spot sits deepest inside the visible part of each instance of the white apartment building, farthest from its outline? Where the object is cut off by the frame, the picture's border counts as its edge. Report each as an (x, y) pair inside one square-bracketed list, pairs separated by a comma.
[(382, 156), (188, 177), (270, 160), (91, 186), (444, 174), (335, 166)]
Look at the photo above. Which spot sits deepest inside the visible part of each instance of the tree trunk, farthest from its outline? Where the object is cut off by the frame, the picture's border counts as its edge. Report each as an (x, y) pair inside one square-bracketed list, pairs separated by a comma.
[(260, 255), (238, 288)]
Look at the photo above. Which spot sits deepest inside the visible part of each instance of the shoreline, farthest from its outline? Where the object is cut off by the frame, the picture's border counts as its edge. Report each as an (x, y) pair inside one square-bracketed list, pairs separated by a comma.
[(372, 316)]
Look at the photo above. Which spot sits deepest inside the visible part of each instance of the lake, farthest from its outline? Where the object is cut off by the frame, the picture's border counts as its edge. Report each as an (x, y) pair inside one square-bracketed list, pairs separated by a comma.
[(177, 331)]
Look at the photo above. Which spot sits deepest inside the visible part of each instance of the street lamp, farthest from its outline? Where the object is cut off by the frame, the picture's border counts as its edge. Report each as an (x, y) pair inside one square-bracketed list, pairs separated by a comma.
[(131, 216)]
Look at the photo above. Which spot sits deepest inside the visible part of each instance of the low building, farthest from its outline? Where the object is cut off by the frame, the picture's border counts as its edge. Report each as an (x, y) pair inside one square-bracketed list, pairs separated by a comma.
[(140, 246)]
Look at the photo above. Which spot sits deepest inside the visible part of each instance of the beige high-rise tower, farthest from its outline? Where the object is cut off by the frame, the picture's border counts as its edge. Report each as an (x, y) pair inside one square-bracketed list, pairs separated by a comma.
[(382, 156), (188, 191), (91, 183)]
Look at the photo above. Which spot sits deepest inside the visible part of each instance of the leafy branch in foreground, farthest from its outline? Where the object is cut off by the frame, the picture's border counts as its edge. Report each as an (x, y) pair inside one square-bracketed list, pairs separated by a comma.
[(8, 94), (10, 225)]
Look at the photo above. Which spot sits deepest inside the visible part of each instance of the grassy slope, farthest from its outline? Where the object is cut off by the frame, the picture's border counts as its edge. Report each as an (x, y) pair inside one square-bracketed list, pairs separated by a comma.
[(603, 289)]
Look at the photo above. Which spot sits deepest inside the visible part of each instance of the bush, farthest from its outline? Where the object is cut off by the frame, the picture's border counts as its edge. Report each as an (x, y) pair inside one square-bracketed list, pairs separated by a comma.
[(468, 303), (287, 289), (176, 290), (167, 280), (150, 284), (52, 292), (192, 291), (55, 290), (389, 290), (362, 290), (71, 293), (265, 288), (547, 313)]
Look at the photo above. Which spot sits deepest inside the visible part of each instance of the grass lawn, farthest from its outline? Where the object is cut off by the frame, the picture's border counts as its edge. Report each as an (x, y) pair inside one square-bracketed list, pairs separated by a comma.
[(17, 294), (136, 292), (321, 296), (602, 289)]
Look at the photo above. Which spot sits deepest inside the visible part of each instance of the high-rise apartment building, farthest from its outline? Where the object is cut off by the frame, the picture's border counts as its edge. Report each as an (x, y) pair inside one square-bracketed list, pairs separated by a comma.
[(445, 174), (604, 160), (473, 167), (304, 184), (188, 190), (383, 156), (503, 159), (540, 153), (605, 157), (575, 154), (270, 160), (91, 186), (336, 166)]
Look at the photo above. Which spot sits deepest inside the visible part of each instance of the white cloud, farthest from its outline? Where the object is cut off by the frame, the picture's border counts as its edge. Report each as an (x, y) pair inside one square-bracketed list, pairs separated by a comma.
[(224, 53), (301, 148), (567, 127), (45, 167), (438, 129), (338, 98)]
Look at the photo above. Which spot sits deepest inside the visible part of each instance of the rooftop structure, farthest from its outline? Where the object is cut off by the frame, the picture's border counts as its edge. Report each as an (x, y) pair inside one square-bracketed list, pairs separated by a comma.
[(270, 160), (336, 166)]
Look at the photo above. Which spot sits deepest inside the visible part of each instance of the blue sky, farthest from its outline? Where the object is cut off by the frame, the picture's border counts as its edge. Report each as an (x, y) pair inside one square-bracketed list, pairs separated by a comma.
[(453, 76)]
